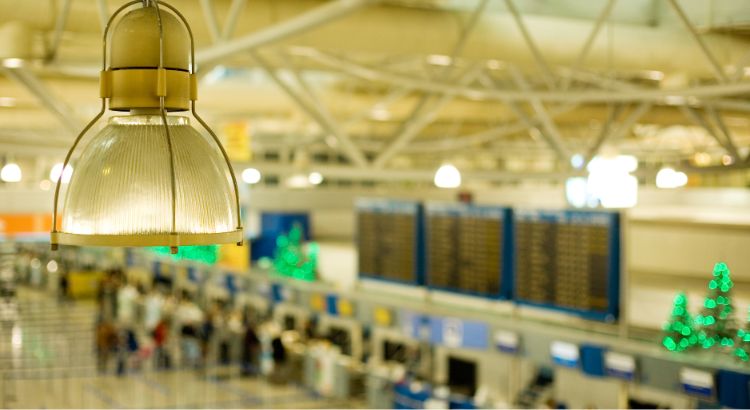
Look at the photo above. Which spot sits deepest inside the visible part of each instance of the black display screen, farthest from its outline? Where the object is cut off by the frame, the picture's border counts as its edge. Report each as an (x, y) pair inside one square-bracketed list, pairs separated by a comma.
[(340, 337), (462, 376), (290, 322), (465, 248), (394, 352)]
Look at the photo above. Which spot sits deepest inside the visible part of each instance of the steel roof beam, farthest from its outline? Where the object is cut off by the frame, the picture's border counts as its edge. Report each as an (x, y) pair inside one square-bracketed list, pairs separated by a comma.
[(306, 21), (570, 96), (60, 22), (207, 6), (604, 132), (715, 66), (727, 136), (695, 116), (235, 9), (550, 132), (324, 120), (603, 16), (31, 82), (423, 115), (547, 74)]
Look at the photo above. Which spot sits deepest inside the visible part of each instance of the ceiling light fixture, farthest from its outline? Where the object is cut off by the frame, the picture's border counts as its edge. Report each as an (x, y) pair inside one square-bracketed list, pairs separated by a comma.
[(11, 172), (380, 113), (251, 176), (447, 176), (439, 59), (668, 178), (610, 181), (298, 181), (315, 178), (7, 102), (57, 171), (577, 161), (148, 178), (12, 62), (702, 159)]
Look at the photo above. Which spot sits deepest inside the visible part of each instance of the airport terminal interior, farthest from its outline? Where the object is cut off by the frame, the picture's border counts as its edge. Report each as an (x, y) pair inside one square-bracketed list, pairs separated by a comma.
[(390, 204)]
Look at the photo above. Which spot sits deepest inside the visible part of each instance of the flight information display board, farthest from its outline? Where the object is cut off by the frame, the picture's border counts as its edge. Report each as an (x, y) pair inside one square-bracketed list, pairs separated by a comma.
[(468, 248), (389, 240), (568, 260)]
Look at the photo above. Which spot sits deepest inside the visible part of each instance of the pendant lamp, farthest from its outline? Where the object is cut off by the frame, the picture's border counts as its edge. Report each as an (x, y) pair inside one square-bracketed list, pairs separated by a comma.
[(148, 178), (447, 176)]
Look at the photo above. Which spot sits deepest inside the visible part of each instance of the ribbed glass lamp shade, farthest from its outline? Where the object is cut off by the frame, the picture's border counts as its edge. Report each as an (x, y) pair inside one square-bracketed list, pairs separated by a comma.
[(121, 191)]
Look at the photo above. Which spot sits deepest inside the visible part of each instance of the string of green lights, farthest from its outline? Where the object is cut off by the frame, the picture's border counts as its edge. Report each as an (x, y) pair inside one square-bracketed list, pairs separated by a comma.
[(292, 260), (714, 327)]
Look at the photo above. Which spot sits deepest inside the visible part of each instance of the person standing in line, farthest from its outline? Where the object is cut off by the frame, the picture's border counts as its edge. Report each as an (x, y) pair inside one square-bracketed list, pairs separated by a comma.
[(162, 357), (106, 343), (279, 375), (235, 332), (251, 350), (189, 318), (64, 282), (106, 297), (211, 326), (127, 297), (154, 302), (171, 346)]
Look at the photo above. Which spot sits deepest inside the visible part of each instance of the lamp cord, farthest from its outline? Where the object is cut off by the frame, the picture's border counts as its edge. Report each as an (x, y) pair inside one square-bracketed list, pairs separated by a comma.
[(203, 123), (172, 176)]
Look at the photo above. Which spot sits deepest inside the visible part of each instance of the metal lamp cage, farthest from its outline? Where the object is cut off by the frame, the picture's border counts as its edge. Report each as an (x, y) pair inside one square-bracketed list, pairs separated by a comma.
[(173, 239)]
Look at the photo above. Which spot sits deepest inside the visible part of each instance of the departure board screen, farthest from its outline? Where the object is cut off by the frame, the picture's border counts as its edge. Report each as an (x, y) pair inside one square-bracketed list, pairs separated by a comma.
[(465, 248), (389, 239), (568, 260)]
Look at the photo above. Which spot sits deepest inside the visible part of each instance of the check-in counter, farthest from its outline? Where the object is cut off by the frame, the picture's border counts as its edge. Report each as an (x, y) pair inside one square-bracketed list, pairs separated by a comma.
[(331, 374), (380, 381)]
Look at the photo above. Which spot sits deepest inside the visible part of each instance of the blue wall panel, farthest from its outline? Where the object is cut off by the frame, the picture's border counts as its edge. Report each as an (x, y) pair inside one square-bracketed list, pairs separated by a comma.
[(274, 224)]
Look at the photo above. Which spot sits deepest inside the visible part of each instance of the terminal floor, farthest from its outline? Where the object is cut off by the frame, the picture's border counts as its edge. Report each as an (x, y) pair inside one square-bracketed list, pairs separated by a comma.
[(47, 361)]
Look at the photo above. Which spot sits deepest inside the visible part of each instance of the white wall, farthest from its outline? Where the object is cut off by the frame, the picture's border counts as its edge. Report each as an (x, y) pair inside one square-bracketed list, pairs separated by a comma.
[(673, 239), (579, 391)]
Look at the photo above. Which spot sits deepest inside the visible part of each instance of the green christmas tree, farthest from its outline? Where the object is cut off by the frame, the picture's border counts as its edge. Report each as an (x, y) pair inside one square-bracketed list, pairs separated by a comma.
[(292, 259), (742, 351), (716, 320), (679, 334)]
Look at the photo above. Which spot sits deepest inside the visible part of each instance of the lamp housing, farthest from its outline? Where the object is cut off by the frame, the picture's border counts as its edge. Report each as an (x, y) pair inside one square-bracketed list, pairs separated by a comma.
[(148, 178)]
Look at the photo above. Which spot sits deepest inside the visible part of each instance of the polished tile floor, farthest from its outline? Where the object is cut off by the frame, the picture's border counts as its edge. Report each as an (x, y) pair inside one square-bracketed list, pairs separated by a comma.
[(47, 361)]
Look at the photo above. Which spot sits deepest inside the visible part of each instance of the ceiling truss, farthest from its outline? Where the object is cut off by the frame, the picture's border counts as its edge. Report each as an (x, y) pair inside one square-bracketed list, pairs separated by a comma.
[(536, 102)]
